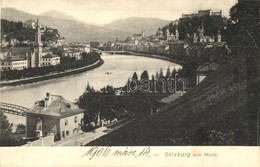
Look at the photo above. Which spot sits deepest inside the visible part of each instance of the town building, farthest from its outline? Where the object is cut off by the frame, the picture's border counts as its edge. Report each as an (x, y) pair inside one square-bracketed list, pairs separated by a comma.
[(177, 49), (94, 44), (205, 70), (54, 115), (73, 53), (50, 60), (138, 36), (171, 36), (13, 63), (35, 57), (30, 24), (199, 37), (159, 32)]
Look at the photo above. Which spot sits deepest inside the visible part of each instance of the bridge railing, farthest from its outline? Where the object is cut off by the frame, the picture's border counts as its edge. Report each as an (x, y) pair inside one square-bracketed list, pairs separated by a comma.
[(13, 109)]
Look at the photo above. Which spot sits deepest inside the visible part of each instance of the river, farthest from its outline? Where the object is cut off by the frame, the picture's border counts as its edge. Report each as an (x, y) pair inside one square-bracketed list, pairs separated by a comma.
[(115, 71)]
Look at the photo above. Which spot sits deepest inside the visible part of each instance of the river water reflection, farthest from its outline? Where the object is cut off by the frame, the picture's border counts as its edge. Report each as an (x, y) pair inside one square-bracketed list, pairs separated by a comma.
[(115, 71)]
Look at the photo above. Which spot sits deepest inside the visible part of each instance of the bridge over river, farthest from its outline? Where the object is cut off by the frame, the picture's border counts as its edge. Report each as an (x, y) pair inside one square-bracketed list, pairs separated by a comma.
[(13, 109)]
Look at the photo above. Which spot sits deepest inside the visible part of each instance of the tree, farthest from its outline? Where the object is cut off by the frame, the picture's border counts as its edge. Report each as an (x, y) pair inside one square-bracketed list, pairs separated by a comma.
[(135, 77), (243, 27), (173, 72), (161, 73), (144, 75), (20, 129), (7, 138), (89, 89), (5, 126), (168, 73), (156, 75)]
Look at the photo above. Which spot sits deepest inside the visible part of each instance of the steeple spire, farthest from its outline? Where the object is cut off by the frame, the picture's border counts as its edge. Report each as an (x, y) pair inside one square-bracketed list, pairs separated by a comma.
[(38, 33), (38, 45)]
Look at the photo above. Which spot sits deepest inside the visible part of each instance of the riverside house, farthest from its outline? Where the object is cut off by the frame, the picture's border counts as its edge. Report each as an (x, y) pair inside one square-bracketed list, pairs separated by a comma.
[(54, 114)]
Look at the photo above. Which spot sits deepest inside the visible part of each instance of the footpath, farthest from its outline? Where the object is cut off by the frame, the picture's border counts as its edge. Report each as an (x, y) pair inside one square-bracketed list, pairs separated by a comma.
[(86, 137), (172, 97)]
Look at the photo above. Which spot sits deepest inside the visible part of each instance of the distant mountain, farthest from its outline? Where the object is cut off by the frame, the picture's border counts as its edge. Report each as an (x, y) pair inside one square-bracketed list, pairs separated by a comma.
[(69, 27), (137, 24), (16, 15), (58, 15), (77, 31)]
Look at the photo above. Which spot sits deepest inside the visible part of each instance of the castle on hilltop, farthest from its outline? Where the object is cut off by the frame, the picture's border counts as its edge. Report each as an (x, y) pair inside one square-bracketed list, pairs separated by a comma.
[(202, 13)]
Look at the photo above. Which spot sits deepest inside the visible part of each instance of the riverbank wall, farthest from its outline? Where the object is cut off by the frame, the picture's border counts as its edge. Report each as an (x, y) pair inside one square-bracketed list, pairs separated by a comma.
[(51, 76), (146, 55)]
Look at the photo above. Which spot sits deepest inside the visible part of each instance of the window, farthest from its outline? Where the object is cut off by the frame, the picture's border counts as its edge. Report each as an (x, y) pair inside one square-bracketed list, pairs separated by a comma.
[(63, 134), (76, 119), (66, 122), (67, 133)]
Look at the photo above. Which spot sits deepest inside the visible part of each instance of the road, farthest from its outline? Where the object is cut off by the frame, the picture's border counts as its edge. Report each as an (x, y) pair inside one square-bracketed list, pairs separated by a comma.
[(86, 137), (172, 97)]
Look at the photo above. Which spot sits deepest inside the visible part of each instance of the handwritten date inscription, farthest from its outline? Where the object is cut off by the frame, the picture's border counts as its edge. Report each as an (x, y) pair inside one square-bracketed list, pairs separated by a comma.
[(124, 152)]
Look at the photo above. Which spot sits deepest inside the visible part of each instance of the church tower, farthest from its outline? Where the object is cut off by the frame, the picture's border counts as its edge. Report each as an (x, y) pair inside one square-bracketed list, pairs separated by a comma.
[(38, 46), (219, 36)]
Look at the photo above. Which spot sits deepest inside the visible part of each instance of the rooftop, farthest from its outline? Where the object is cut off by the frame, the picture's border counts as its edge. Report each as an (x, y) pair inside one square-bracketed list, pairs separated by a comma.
[(50, 56), (210, 66), (19, 51), (55, 105), (9, 58)]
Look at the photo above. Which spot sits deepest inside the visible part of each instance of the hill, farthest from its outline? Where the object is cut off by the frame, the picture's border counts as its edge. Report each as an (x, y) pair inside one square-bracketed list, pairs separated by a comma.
[(58, 14), (75, 30), (137, 24), (11, 29), (222, 110), (16, 15), (72, 30)]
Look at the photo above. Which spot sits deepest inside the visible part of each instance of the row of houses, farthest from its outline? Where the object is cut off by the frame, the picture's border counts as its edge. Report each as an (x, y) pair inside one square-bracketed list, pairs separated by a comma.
[(75, 50), (12, 62), (18, 58)]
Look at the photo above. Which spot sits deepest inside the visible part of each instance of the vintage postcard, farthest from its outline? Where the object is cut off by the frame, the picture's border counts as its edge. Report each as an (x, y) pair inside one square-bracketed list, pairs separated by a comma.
[(129, 83)]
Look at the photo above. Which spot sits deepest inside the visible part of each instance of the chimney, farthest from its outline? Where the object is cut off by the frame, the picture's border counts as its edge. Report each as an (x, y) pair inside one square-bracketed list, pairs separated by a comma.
[(47, 99)]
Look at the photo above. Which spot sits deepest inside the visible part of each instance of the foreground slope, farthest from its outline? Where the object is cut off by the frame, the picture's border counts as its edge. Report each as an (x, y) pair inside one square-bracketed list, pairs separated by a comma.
[(222, 110)]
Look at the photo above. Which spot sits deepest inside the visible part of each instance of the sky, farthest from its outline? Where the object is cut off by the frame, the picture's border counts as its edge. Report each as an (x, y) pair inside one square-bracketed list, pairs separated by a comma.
[(101, 12)]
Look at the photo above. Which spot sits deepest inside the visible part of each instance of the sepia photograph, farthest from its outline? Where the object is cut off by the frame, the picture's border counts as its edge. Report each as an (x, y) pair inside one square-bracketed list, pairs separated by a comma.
[(126, 79)]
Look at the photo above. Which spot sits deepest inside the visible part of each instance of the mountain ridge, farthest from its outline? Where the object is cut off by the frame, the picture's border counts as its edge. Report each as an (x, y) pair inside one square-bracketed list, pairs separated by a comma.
[(57, 14), (137, 24), (75, 30)]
